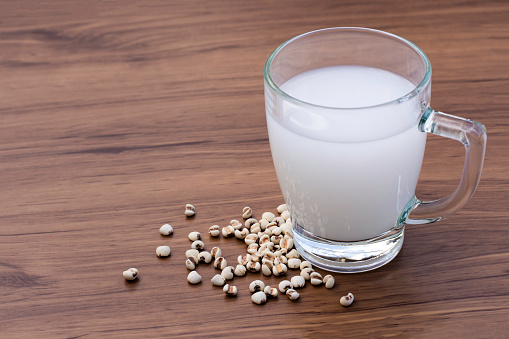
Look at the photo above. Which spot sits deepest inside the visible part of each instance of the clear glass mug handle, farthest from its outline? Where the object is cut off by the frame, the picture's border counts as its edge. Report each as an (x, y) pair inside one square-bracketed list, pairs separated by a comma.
[(472, 135)]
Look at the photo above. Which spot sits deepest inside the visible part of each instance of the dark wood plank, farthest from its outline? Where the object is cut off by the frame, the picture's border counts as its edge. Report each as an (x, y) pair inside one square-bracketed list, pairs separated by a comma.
[(114, 115)]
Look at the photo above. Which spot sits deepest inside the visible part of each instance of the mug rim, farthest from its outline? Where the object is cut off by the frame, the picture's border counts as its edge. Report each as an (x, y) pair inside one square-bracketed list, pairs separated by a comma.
[(415, 91)]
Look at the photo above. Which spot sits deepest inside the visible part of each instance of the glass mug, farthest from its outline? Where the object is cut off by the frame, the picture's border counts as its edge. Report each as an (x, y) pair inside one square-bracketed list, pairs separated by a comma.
[(347, 115)]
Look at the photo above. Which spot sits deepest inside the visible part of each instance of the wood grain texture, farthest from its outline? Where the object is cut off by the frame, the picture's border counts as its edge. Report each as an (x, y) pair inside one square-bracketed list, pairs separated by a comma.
[(115, 114)]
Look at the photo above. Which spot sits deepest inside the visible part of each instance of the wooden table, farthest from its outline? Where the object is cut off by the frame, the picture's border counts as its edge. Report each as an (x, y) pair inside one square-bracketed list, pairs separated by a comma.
[(115, 114)]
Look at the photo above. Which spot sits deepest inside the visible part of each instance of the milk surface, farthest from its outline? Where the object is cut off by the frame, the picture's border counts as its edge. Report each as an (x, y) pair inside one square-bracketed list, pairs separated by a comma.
[(347, 191)]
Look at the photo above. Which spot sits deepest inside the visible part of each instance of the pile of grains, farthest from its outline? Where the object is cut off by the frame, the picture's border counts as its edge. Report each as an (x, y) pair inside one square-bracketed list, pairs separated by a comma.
[(269, 249)]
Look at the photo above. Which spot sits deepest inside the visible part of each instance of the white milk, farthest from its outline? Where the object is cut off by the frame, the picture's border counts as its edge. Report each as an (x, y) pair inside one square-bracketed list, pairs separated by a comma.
[(339, 189)]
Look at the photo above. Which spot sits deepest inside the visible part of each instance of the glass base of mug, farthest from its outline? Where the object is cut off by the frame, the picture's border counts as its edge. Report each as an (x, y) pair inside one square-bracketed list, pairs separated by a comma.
[(348, 257)]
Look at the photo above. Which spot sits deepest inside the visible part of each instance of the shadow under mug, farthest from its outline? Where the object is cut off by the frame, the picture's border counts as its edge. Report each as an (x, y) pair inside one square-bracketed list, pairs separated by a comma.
[(348, 174)]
